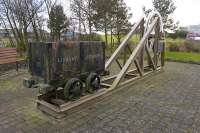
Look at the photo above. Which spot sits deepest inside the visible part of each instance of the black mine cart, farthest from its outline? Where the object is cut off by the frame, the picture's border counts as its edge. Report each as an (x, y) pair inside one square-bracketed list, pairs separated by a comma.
[(65, 71)]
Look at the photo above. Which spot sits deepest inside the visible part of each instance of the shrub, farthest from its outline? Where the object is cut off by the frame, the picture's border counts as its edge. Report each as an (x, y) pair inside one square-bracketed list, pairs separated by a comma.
[(173, 47), (191, 46), (182, 45), (178, 34), (92, 37)]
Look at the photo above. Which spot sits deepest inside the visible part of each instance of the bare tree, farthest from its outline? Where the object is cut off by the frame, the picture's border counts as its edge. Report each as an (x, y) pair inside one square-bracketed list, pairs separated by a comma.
[(19, 16)]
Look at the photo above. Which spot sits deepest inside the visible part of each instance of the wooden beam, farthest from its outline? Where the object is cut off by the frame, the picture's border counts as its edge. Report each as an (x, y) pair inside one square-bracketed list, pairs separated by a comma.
[(141, 55), (140, 70), (163, 55), (156, 43), (149, 58), (118, 63), (119, 50), (129, 49)]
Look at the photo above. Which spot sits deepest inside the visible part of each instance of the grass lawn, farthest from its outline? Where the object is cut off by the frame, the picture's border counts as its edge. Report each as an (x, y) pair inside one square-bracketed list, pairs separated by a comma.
[(183, 56), (134, 39)]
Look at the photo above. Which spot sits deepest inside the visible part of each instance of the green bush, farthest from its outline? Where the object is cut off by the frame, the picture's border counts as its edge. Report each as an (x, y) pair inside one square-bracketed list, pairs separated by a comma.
[(182, 45), (173, 47), (178, 34), (92, 37), (191, 47), (9, 45)]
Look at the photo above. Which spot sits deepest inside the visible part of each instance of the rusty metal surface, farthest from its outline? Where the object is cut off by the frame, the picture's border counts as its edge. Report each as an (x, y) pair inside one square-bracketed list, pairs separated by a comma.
[(92, 56)]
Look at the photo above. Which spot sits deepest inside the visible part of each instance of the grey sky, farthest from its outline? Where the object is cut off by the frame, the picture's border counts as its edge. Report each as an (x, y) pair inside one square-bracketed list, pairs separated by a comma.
[(187, 12)]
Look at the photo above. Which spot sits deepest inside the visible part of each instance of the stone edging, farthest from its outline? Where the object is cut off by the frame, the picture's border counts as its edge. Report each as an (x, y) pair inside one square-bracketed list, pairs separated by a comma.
[(179, 61)]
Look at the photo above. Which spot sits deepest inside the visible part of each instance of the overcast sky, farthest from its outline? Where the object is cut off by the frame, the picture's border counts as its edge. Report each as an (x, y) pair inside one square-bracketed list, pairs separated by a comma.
[(187, 12)]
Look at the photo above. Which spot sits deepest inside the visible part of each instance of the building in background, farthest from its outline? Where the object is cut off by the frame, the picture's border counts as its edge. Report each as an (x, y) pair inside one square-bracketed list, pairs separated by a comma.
[(5, 36), (193, 32)]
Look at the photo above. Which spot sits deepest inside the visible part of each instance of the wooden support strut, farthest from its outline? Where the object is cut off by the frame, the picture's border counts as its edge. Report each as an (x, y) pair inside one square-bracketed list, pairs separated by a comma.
[(149, 57), (120, 66), (123, 44), (134, 54), (140, 70)]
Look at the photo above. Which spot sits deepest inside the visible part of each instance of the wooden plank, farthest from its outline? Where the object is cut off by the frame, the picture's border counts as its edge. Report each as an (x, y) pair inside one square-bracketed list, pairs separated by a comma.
[(140, 70), (141, 54), (129, 49), (133, 80), (149, 58), (5, 54), (70, 105), (120, 66), (48, 105), (48, 111), (7, 62), (163, 56), (114, 76), (10, 51), (7, 49), (156, 44), (7, 57), (132, 75), (104, 85)]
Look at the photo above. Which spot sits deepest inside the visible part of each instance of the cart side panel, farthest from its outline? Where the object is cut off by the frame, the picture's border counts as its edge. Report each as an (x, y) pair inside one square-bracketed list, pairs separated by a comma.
[(66, 60), (92, 57), (39, 60)]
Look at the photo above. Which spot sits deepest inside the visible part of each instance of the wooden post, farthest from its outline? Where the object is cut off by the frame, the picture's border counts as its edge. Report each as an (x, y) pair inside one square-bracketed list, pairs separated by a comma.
[(17, 66), (156, 43), (163, 54), (141, 55)]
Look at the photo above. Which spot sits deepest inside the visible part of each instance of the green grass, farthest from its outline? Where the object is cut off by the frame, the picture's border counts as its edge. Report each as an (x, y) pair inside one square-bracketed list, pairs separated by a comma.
[(183, 56), (134, 39)]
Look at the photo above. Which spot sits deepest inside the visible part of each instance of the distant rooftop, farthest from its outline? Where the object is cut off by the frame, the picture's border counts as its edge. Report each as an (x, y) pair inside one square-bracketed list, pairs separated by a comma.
[(194, 29)]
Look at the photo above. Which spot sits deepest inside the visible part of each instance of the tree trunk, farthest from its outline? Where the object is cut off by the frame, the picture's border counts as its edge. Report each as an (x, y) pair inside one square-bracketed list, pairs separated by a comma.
[(111, 45), (106, 34), (118, 38), (89, 19)]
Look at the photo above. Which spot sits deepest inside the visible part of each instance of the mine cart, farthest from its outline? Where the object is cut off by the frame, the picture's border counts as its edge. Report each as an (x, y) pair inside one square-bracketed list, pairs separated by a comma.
[(70, 68)]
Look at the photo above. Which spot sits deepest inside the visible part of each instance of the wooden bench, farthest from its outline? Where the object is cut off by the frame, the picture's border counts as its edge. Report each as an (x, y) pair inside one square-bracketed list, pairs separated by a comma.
[(9, 56)]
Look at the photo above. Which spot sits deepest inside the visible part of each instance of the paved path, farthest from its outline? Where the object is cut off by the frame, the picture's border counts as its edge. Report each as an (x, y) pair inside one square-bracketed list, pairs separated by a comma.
[(167, 103)]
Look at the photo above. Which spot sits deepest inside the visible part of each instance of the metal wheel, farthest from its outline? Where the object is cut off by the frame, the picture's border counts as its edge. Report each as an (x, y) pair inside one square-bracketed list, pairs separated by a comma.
[(92, 82), (73, 89), (28, 83)]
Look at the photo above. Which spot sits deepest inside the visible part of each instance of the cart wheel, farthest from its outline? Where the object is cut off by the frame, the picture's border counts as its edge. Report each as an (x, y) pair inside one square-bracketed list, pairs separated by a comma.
[(73, 89), (28, 83), (92, 82)]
